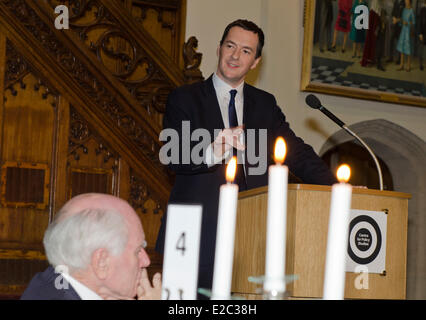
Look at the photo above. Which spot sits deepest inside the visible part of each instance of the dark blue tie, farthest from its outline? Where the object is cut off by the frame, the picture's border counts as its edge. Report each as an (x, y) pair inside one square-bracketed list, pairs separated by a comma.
[(233, 122)]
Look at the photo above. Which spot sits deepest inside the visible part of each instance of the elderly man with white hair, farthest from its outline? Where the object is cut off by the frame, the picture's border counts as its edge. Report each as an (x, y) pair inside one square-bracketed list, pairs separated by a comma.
[(95, 247)]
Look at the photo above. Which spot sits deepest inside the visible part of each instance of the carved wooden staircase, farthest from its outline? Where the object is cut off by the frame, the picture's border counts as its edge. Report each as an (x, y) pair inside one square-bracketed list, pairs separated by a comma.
[(81, 112)]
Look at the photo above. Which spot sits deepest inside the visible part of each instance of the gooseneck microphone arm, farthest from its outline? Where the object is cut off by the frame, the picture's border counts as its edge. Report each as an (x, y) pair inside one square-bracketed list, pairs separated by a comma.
[(379, 170), (314, 103)]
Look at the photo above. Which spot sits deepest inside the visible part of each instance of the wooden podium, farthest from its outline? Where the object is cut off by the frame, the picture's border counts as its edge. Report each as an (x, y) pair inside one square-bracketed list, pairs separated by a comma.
[(307, 227)]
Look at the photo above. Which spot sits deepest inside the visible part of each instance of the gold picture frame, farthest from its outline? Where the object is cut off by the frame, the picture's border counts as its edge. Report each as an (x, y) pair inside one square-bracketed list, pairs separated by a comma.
[(312, 54)]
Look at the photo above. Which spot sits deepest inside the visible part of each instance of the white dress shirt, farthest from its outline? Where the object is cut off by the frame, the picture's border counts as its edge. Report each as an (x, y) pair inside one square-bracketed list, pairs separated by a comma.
[(223, 96), (84, 292)]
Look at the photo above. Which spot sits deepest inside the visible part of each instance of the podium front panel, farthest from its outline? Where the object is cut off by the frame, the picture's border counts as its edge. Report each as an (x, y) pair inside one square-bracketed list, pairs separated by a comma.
[(307, 226)]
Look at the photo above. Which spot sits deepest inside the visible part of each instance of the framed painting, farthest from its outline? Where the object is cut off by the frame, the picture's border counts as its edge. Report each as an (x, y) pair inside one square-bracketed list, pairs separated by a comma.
[(366, 49)]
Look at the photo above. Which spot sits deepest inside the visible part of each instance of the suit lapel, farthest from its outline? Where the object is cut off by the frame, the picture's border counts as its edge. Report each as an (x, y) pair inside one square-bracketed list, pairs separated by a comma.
[(212, 108), (248, 108)]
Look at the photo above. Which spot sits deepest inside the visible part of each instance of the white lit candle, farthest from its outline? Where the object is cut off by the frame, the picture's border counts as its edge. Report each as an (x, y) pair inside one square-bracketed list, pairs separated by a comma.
[(337, 240), (224, 253), (276, 222)]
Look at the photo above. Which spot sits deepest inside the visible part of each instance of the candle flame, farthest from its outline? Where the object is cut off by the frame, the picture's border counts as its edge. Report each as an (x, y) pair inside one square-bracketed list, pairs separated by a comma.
[(231, 168), (280, 150), (343, 173)]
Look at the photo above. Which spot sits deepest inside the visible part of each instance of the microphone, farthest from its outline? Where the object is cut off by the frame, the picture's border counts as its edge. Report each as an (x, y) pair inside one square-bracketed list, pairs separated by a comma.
[(314, 103)]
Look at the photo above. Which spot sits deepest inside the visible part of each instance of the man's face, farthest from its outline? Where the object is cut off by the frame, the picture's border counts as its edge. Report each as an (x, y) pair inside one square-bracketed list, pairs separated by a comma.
[(126, 268), (237, 55)]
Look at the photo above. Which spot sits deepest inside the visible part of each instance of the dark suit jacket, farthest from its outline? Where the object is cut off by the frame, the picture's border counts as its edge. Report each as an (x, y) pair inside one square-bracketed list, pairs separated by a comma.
[(198, 104), (42, 287)]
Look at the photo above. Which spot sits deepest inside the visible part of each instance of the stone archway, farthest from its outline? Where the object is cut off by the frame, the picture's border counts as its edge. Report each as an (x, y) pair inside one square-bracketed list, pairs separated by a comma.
[(405, 155)]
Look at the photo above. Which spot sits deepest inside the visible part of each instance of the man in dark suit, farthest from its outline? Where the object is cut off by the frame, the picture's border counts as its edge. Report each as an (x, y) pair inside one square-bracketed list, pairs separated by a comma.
[(95, 247), (225, 102)]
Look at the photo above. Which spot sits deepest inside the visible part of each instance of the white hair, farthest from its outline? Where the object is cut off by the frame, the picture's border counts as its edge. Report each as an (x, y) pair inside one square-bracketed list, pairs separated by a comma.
[(71, 241)]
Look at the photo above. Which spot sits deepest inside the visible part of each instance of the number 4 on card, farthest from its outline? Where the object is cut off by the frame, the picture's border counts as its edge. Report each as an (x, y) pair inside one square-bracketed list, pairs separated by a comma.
[(181, 252)]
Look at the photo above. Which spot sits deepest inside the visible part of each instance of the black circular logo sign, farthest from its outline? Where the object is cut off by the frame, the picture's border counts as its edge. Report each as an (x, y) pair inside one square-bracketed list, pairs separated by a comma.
[(365, 239)]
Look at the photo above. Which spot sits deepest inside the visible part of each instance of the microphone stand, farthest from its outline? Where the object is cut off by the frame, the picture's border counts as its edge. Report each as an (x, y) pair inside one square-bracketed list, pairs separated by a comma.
[(379, 170), (313, 102)]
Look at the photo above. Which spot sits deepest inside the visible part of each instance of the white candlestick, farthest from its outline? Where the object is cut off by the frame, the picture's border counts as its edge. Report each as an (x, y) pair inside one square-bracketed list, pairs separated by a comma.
[(276, 229), (337, 242), (224, 253)]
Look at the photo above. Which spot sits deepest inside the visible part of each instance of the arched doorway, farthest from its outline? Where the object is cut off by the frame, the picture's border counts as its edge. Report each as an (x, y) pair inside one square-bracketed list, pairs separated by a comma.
[(404, 156), (363, 167)]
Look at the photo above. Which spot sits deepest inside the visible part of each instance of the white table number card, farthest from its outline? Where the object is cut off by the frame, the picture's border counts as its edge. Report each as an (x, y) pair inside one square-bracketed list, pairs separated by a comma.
[(181, 252)]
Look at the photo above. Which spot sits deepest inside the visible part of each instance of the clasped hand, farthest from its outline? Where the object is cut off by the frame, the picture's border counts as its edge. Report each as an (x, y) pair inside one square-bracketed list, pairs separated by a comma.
[(227, 139)]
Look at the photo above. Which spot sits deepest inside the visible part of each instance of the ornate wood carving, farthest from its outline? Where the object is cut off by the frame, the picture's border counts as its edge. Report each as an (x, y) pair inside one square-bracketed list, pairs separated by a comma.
[(104, 128), (140, 194), (127, 61), (192, 60), (80, 134), (93, 88), (85, 98), (16, 70), (160, 7), (92, 164), (165, 21)]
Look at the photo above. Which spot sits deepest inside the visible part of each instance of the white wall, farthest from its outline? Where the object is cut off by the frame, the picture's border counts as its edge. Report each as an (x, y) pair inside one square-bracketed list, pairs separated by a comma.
[(279, 72), (206, 20)]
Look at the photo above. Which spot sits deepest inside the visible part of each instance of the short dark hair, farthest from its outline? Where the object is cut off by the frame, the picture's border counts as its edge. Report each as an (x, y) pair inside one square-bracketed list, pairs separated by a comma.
[(249, 26)]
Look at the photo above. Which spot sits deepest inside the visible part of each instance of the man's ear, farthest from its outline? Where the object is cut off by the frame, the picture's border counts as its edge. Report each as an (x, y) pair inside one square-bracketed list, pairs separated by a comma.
[(255, 63), (100, 263)]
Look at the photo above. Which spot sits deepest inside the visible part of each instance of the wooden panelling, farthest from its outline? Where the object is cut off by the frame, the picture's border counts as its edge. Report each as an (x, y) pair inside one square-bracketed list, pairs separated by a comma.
[(91, 163), (148, 207), (25, 184), (27, 119), (15, 274), (80, 111), (59, 175), (102, 101), (86, 181), (133, 64), (150, 211), (164, 20), (3, 60)]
